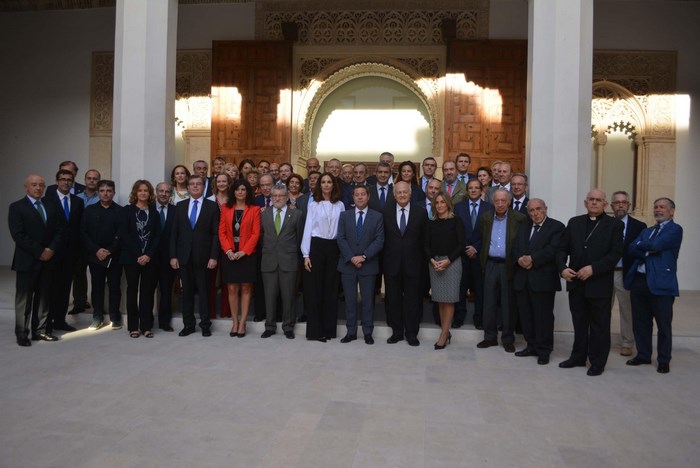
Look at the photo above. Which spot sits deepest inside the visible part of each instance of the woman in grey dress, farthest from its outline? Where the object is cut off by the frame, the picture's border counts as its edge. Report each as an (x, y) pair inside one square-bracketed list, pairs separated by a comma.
[(444, 245)]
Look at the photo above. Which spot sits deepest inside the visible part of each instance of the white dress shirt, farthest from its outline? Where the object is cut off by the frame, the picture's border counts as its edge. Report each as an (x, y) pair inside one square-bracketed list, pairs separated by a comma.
[(321, 221)]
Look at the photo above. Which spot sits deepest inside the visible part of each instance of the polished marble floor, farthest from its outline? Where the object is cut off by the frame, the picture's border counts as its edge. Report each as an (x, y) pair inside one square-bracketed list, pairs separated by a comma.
[(102, 399)]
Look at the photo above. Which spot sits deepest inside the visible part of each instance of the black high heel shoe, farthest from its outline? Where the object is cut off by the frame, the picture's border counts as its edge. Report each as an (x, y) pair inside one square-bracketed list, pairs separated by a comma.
[(447, 341)]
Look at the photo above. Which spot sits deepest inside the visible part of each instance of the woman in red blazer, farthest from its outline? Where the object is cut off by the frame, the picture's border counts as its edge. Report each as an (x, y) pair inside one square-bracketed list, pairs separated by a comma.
[(239, 231)]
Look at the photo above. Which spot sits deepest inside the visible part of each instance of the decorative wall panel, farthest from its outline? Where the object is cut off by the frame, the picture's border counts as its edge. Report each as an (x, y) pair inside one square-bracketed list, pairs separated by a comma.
[(641, 72)]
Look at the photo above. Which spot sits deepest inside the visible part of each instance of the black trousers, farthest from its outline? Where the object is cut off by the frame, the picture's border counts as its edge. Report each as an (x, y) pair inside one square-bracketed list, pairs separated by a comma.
[(591, 319), (647, 307), (537, 319), (166, 279), (60, 291), (32, 295), (113, 276), (195, 278), (404, 303), (322, 316), (140, 291)]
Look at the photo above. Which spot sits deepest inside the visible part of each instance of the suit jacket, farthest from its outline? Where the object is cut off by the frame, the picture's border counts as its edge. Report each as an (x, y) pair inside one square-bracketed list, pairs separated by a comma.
[(543, 276), (634, 228), (31, 235), (404, 254), (77, 188), (281, 251), (165, 234), (260, 201), (370, 244), (249, 229), (374, 197), (463, 212), (303, 204), (660, 255), (513, 223), (417, 195), (602, 251), (372, 180), (71, 234), (523, 206), (490, 191), (199, 244), (131, 247), (459, 193)]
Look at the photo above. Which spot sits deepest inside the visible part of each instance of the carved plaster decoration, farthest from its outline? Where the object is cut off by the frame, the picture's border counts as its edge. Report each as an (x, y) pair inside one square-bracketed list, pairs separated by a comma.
[(101, 93), (313, 96), (641, 72), (613, 103), (193, 73), (361, 22)]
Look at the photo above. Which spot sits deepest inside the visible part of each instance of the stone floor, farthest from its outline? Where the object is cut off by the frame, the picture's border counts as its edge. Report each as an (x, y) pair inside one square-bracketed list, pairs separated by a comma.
[(102, 399)]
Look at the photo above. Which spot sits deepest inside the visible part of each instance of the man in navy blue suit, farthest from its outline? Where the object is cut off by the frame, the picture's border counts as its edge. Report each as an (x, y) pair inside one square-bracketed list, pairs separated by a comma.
[(653, 283), (360, 240), (470, 212)]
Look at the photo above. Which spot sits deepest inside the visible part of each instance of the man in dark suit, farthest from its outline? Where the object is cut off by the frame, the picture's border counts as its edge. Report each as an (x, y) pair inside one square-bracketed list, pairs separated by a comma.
[(303, 201), (360, 240), (502, 173), (404, 264), (166, 274), (621, 205), (381, 194), (312, 165), (654, 285), (201, 168), (593, 245), (282, 229), (77, 187), (264, 201), (37, 230), (536, 279), (518, 190), (470, 211), (498, 231), (385, 157), (194, 249), (463, 161), (429, 167), (66, 260)]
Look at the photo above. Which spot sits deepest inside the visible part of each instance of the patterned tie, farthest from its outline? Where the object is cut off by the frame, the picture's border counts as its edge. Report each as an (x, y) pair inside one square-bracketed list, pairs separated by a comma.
[(402, 221), (517, 205), (382, 197), (278, 221), (473, 215), (267, 202), (162, 217), (193, 214), (66, 208), (462, 179), (40, 209), (359, 226), (449, 189), (656, 230)]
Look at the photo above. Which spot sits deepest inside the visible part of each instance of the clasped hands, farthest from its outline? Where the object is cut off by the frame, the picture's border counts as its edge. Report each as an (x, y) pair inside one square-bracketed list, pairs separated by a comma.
[(583, 274), (440, 265)]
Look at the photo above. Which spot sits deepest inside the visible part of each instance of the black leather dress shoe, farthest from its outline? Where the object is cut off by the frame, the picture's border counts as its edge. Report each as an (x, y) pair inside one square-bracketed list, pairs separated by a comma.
[(46, 337), (543, 360), (478, 326), (167, 328), (394, 339), (663, 369), (510, 347), (369, 339), (637, 361), (63, 327), (486, 344), (457, 324), (76, 311), (302, 319), (526, 352), (594, 371), (348, 338), (23, 341), (186, 332), (289, 335), (267, 334), (569, 363), (206, 331), (258, 319), (413, 341)]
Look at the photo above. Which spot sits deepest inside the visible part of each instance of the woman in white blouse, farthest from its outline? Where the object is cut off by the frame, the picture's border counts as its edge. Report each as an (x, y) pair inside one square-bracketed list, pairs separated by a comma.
[(319, 247)]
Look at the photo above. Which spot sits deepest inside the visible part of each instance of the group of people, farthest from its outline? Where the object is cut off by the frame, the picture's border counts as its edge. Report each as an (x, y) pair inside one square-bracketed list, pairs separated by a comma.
[(261, 231)]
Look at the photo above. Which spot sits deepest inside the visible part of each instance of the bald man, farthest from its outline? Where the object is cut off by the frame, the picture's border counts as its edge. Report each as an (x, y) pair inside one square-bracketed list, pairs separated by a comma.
[(37, 230), (591, 247)]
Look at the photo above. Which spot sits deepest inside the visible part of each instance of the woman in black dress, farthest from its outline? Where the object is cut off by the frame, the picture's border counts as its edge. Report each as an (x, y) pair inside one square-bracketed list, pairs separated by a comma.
[(140, 235), (444, 244), (239, 231)]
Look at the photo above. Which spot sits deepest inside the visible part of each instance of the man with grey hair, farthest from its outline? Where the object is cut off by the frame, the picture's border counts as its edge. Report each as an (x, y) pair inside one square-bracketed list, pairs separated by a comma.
[(536, 279), (499, 229), (621, 205), (282, 229), (166, 275), (201, 168), (334, 166)]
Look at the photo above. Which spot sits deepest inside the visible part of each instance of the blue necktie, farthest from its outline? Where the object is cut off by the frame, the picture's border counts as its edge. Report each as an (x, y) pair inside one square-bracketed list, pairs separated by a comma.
[(402, 221), (382, 197), (162, 217), (193, 214), (473, 215), (66, 208), (359, 226)]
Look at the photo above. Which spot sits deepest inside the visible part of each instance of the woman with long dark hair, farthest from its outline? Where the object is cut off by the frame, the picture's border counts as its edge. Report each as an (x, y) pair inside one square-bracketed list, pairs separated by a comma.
[(407, 173), (239, 232), (319, 247), (140, 235), (178, 178)]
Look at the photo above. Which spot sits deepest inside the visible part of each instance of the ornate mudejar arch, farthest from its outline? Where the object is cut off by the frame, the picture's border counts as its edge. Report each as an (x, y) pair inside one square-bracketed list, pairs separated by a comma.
[(310, 98)]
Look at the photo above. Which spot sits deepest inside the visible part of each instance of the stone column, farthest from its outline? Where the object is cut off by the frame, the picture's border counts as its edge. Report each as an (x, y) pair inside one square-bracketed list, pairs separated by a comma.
[(558, 144), (143, 144)]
